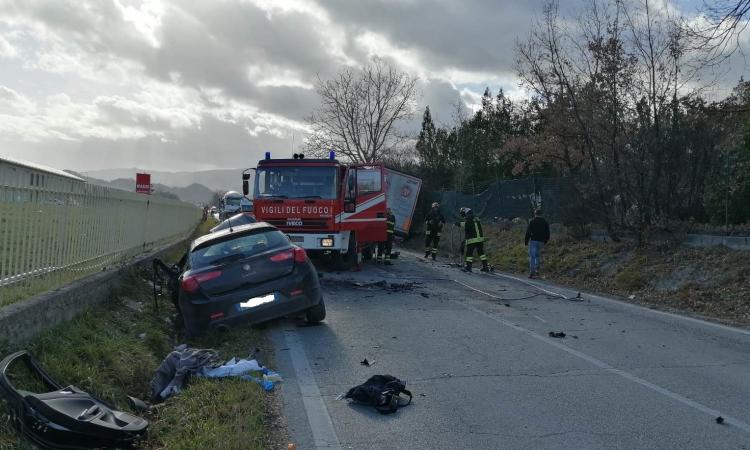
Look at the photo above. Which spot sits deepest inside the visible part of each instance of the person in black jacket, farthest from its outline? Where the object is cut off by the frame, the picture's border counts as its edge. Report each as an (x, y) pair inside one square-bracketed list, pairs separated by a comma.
[(433, 227), (384, 248), (537, 234)]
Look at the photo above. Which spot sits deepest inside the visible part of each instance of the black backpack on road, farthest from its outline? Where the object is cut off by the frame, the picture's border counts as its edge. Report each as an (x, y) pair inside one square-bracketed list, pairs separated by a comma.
[(381, 391)]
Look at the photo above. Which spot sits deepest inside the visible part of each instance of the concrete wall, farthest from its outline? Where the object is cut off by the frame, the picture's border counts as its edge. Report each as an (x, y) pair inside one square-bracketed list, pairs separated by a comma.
[(23, 320)]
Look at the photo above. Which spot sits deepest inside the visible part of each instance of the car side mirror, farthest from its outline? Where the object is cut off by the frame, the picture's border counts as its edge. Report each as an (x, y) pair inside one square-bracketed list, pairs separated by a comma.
[(350, 207), (245, 187)]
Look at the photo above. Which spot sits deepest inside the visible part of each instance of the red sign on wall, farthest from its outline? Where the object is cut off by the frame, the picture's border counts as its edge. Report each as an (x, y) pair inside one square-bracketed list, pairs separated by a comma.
[(143, 183)]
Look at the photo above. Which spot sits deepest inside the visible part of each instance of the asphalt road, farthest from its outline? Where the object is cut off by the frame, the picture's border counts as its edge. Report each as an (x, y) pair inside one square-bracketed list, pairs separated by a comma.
[(485, 373)]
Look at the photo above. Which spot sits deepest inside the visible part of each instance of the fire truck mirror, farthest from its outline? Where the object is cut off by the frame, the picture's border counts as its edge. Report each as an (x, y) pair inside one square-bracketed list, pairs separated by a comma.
[(245, 187)]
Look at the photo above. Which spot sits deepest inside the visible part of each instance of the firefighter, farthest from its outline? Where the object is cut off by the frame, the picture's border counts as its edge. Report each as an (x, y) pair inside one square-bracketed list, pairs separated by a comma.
[(433, 228), (384, 248), (461, 224), (474, 240)]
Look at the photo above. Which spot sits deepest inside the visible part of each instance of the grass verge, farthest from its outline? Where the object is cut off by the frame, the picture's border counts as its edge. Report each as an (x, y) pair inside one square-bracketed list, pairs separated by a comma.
[(113, 350)]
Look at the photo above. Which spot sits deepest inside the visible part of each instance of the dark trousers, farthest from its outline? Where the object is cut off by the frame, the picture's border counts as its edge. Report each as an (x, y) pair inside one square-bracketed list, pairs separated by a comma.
[(384, 248), (479, 249), (431, 241)]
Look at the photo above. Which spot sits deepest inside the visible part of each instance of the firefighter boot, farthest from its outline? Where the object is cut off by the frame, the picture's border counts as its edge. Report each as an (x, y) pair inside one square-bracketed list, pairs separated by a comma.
[(485, 267), (426, 253), (467, 267), (434, 255)]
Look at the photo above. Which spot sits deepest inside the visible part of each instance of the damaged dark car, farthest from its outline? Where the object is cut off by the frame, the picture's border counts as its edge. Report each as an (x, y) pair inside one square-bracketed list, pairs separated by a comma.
[(246, 274)]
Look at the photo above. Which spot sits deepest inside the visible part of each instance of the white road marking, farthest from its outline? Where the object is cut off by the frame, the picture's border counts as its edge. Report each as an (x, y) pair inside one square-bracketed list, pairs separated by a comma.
[(315, 408), (602, 365), (477, 290), (540, 319)]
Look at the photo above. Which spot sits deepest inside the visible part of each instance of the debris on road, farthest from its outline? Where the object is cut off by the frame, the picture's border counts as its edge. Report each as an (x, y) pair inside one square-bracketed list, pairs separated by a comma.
[(366, 363), (719, 420), (382, 284), (380, 391), (556, 334), (425, 295)]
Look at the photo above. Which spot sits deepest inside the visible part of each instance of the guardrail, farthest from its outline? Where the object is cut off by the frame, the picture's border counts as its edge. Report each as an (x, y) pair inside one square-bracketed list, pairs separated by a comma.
[(54, 232)]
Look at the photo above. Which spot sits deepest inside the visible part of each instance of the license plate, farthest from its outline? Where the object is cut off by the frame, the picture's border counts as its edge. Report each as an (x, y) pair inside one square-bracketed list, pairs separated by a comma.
[(294, 222), (257, 301)]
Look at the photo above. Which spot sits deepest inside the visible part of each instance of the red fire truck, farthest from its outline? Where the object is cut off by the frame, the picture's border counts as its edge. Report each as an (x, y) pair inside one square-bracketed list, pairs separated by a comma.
[(323, 205)]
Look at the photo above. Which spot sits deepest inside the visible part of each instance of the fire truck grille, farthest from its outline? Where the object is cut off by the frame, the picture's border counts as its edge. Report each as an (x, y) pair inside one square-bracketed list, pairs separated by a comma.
[(306, 224)]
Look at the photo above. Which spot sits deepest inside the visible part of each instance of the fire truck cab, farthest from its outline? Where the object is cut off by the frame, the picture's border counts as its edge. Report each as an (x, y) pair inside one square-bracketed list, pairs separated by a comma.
[(323, 205)]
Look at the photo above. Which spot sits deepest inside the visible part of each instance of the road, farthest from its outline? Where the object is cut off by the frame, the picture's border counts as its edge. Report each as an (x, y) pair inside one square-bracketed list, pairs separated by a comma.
[(475, 351)]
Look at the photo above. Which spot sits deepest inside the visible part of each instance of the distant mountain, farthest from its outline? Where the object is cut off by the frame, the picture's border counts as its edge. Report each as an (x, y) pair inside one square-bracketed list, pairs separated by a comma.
[(215, 180), (194, 193)]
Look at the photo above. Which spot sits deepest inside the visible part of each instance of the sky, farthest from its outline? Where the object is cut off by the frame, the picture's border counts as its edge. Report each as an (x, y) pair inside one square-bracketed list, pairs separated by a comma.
[(192, 85)]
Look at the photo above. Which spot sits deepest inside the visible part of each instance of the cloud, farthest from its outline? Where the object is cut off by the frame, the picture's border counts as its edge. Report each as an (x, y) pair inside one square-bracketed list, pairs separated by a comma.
[(216, 83), (6, 50)]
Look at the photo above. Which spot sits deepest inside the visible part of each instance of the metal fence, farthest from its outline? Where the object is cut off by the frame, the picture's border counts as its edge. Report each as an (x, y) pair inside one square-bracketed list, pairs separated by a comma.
[(508, 198), (55, 229)]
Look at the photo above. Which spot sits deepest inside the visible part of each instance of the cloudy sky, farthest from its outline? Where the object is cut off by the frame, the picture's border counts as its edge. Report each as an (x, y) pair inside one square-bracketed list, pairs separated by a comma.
[(188, 85)]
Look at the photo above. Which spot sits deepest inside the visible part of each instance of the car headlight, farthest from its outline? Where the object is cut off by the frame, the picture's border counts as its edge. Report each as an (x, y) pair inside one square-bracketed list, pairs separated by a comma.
[(326, 242)]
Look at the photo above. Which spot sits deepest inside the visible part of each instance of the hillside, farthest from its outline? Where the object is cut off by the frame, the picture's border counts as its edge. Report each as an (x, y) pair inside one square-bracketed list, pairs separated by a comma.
[(215, 180), (194, 193)]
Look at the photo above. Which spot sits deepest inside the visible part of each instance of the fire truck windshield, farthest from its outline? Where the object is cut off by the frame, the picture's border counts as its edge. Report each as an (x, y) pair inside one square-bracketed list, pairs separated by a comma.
[(296, 182)]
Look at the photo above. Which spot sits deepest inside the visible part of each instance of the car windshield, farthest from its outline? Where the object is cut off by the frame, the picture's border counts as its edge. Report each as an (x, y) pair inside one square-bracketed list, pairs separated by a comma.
[(237, 247), (232, 201), (235, 221), (296, 182)]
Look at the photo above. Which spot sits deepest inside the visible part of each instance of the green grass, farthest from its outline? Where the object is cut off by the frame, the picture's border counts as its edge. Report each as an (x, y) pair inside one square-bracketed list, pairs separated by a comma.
[(101, 351)]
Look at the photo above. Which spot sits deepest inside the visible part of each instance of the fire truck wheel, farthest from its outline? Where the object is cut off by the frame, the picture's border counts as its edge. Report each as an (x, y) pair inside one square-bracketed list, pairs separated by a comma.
[(345, 261), (341, 261), (317, 313), (367, 253)]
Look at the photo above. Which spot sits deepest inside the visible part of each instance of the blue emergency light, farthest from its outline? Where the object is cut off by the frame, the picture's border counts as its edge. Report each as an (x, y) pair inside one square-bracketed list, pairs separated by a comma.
[(268, 155), (331, 155)]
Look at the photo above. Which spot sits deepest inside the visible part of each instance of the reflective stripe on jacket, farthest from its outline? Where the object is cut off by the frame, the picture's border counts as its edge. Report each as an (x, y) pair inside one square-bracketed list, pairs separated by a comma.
[(391, 223), (474, 234)]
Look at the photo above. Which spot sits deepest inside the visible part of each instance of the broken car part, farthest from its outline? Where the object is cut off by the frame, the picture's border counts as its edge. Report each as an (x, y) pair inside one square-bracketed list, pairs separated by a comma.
[(66, 417)]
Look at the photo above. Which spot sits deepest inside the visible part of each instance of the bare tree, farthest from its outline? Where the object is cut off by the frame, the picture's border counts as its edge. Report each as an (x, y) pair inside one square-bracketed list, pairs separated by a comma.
[(360, 110), (718, 36)]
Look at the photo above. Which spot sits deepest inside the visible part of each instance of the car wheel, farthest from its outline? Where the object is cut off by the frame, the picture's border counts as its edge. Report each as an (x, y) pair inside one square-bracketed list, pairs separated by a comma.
[(317, 313)]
